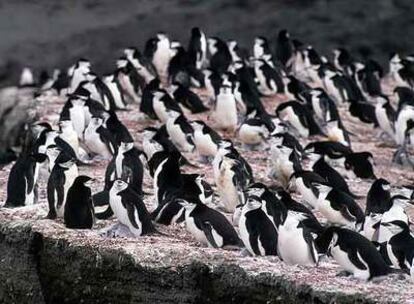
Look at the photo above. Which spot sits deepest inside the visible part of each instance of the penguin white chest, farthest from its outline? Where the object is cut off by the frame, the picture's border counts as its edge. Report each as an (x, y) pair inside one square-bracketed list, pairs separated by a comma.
[(204, 143), (160, 110), (289, 115), (292, 247), (252, 135), (307, 193), (226, 111), (194, 230), (118, 164), (177, 136), (343, 260), (77, 116), (119, 210), (95, 144), (383, 120)]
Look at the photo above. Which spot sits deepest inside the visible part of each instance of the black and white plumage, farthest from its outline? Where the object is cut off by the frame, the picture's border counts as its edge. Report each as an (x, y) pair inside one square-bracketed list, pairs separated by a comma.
[(353, 252), (99, 140), (295, 244), (197, 48), (253, 132), (269, 79), (400, 247), (179, 131), (284, 161), (79, 209), (23, 178), (284, 48), (129, 209), (225, 110), (305, 183), (60, 180), (162, 103), (188, 99), (339, 208), (220, 59), (205, 139), (359, 164), (208, 226), (385, 115), (257, 231)]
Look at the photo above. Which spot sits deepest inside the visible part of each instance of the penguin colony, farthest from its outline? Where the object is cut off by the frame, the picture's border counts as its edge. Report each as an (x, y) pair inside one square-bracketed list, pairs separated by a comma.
[(207, 101)]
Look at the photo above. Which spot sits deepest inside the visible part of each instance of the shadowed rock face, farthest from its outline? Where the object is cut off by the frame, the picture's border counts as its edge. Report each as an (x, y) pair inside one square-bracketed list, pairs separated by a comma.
[(48, 34)]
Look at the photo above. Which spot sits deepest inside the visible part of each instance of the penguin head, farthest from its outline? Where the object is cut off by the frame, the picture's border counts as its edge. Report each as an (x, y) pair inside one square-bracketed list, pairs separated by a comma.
[(52, 151), (381, 99), (84, 180), (283, 35), (126, 146), (383, 184), (402, 201), (256, 189), (96, 121), (196, 32), (90, 76), (120, 185), (225, 90), (396, 227), (253, 202), (232, 45), (212, 45), (322, 188), (122, 62), (197, 124), (65, 125), (188, 205), (260, 41)]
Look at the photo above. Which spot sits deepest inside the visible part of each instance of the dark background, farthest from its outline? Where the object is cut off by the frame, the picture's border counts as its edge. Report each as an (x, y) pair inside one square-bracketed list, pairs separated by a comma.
[(53, 33)]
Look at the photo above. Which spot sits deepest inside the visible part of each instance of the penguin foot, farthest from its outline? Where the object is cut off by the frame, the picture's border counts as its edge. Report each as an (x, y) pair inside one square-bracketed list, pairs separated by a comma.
[(343, 273), (51, 215)]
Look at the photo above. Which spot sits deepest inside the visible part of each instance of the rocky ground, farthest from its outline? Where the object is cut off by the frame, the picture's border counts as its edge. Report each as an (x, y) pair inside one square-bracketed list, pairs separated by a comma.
[(177, 248)]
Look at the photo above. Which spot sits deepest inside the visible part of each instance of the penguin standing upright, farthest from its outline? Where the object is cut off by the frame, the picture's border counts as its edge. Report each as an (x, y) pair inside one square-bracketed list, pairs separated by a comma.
[(129, 209), (269, 79), (205, 139), (400, 247), (116, 91), (257, 231), (69, 135), (60, 180), (208, 226), (179, 131), (225, 112), (284, 48), (353, 252), (22, 182), (162, 104), (261, 50), (197, 48), (78, 73), (221, 58), (99, 140), (159, 51), (79, 210), (385, 115), (295, 243)]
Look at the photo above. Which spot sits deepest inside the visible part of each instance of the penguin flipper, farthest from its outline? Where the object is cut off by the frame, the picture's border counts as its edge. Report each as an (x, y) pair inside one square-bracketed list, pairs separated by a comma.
[(354, 258), (253, 237), (208, 231)]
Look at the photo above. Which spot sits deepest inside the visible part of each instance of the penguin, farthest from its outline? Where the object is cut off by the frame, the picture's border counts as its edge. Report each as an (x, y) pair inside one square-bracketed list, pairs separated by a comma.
[(78, 73), (385, 115), (339, 208), (99, 139), (188, 99), (115, 89), (269, 79), (332, 150), (220, 59), (284, 138), (343, 61), (237, 54), (205, 139), (79, 210), (324, 170), (284, 48), (142, 65), (274, 208), (179, 131), (360, 165), (304, 182), (22, 181), (162, 104), (295, 243), (404, 115), (232, 174), (378, 197), (158, 50), (323, 106), (299, 117), (396, 213), (284, 162), (225, 111), (60, 180), (128, 81), (256, 230), (253, 132), (261, 50), (197, 48), (99, 91), (354, 253), (118, 130), (400, 247), (178, 67), (208, 226), (74, 109), (69, 135), (129, 209)]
